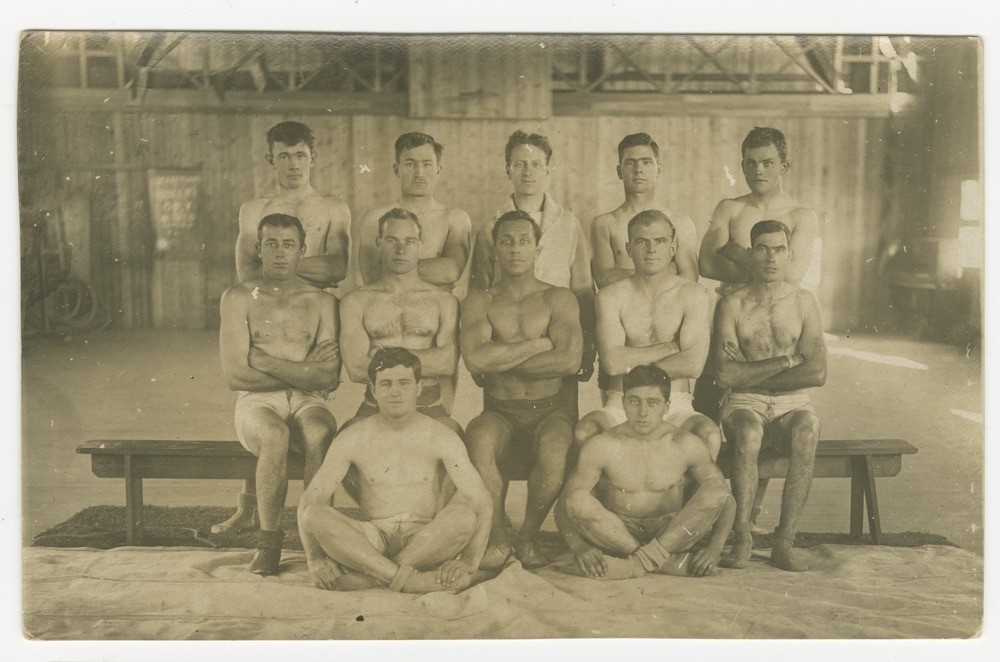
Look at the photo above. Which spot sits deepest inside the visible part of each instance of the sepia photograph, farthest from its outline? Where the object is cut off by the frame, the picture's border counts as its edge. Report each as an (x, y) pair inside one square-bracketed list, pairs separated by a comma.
[(507, 336)]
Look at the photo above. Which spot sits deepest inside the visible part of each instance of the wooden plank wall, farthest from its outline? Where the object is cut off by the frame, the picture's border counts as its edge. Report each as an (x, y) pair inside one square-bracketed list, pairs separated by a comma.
[(837, 168)]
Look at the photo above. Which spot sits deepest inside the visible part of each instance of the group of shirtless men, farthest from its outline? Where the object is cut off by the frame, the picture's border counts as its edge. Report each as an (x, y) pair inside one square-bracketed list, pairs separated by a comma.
[(635, 485)]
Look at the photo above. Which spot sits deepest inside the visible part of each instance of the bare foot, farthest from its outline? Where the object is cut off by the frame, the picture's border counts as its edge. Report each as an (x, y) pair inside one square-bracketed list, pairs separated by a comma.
[(496, 555), (531, 556), (426, 582), (619, 568), (355, 581), (782, 557), (739, 555), (244, 519)]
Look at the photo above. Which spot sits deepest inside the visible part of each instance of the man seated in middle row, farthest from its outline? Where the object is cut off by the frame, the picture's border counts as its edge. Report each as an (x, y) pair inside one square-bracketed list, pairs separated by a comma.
[(524, 336), (418, 533), (401, 309), (624, 514), (653, 317)]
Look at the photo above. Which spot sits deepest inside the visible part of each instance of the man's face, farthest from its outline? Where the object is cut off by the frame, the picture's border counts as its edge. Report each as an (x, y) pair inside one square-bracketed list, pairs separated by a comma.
[(639, 169), (769, 256), (396, 391), (528, 170), (399, 245), (279, 250), (418, 171), (651, 247), (291, 164), (644, 408), (763, 168), (516, 248)]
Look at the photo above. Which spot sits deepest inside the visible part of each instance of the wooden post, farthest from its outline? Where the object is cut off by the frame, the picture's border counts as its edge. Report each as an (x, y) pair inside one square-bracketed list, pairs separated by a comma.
[(857, 497), (871, 497), (133, 501)]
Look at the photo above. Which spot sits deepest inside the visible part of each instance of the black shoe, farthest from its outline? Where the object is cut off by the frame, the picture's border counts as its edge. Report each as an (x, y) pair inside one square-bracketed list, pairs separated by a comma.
[(268, 556)]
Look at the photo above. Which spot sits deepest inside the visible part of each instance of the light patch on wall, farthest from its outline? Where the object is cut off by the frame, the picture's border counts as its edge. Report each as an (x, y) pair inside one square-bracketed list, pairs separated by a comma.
[(884, 359)]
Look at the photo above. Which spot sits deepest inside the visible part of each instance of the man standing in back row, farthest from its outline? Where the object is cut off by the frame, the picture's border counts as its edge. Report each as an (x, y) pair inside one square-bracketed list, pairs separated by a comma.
[(769, 348), (291, 152), (446, 231), (562, 249), (639, 169)]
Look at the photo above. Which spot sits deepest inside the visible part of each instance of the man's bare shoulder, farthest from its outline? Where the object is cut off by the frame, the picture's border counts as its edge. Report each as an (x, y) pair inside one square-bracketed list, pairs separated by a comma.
[(802, 214), (456, 215), (693, 292), (251, 211), (731, 207), (734, 298), (616, 290), (677, 218), (241, 291), (557, 297), (374, 213), (804, 298)]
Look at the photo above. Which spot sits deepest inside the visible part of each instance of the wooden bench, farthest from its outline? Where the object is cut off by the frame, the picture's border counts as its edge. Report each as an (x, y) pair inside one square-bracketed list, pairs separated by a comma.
[(861, 460)]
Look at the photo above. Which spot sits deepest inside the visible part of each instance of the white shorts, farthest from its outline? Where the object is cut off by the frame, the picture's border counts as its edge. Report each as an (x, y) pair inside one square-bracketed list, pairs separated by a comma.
[(286, 403), (680, 408)]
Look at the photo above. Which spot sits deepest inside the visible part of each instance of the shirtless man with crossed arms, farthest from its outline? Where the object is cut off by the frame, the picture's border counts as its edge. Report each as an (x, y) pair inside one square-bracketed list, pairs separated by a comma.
[(445, 244), (653, 316), (416, 535), (769, 348), (278, 346), (291, 152), (401, 309), (524, 336)]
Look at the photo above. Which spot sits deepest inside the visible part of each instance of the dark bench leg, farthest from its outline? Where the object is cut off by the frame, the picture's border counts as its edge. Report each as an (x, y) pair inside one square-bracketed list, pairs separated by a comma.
[(133, 502), (863, 487), (857, 497)]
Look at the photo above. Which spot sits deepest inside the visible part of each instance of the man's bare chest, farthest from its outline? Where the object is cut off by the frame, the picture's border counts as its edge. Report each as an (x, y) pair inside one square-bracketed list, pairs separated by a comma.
[(648, 320), (769, 330), (313, 213), (411, 314), (526, 319), (293, 320)]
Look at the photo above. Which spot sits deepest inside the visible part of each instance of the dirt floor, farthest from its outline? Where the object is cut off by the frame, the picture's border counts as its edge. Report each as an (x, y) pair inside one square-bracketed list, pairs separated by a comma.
[(168, 384)]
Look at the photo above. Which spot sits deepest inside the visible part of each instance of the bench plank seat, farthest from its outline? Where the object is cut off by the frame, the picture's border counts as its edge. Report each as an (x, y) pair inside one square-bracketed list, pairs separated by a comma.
[(861, 460)]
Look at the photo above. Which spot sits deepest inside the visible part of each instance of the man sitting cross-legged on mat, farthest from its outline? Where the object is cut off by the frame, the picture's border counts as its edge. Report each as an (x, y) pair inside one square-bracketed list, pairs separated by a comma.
[(417, 534), (524, 336), (768, 349), (623, 512), (278, 344)]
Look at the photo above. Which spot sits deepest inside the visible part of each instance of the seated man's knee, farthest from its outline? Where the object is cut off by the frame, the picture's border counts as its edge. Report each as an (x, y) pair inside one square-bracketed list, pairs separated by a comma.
[(709, 432), (483, 440), (715, 491), (318, 430), (744, 430), (554, 444), (270, 435), (309, 517), (464, 520), (804, 430)]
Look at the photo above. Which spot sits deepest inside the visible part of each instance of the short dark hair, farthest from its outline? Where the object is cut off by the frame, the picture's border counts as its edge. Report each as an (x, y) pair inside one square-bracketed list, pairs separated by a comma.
[(768, 227), (637, 140), (521, 138), (281, 221), (517, 215), (762, 136), (417, 139), (390, 357), (400, 213), (647, 375), (291, 133), (648, 217)]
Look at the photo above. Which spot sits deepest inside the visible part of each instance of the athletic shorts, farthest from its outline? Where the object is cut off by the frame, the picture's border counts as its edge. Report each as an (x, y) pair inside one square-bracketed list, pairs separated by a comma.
[(523, 418), (429, 403), (771, 410), (644, 529), (680, 408), (390, 534), (286, 403)]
